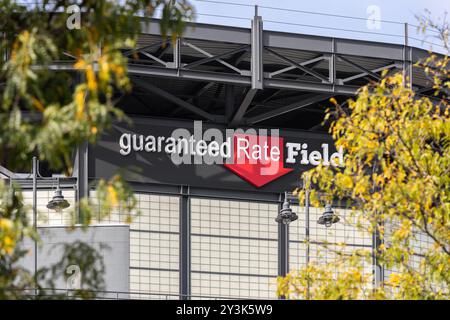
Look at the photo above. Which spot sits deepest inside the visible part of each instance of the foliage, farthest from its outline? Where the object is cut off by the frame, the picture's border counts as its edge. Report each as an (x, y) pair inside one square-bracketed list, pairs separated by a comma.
[(397, 178), (48, 114)]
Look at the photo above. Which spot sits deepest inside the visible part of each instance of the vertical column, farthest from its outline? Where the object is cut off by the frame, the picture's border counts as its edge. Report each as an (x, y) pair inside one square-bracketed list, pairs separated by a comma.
[(307, 234), (332, 62), (257, 51), (176, 54), (185, 244), (283, 246), (81, 172), (407, 60), (35, 174), (378, 269)]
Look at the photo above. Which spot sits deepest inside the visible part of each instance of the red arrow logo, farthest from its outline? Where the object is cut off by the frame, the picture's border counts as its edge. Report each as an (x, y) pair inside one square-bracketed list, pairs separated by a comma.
[(258, 159)]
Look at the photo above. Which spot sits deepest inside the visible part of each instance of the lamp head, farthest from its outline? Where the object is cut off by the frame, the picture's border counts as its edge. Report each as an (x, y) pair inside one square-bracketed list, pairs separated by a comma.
[(286, 215), (328, 217), (58, 203)]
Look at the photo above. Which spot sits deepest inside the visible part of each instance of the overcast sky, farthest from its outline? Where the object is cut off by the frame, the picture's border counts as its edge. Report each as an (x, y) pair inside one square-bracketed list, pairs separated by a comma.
[(392, 10)]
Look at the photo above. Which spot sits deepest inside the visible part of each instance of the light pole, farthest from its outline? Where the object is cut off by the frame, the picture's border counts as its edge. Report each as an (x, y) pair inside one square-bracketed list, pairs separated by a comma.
[(307, 234), (327, 219), (58, 203), (35, 174), (284, 217)]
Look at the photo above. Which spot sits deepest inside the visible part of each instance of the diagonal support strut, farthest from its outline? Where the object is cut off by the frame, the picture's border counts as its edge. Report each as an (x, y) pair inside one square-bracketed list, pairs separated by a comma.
[(170, 97), (311, 99)]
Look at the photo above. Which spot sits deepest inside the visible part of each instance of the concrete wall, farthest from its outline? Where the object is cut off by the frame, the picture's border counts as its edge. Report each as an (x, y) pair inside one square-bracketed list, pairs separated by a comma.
[(111, 241)]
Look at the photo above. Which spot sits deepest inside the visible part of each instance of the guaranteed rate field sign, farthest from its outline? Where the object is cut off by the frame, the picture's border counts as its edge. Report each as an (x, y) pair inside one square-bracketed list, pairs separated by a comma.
[(205, 155)]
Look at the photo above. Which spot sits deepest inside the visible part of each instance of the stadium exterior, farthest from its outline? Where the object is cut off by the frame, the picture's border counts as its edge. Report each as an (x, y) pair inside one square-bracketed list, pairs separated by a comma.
[(209, 230)]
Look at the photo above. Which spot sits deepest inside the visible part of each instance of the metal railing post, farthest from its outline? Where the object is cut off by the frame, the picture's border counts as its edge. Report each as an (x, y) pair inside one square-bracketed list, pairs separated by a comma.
[(35, 175)]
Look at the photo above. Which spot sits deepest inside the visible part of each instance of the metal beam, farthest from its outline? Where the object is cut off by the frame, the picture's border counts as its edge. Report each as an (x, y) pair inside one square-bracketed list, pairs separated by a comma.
[(198, 92), (216, 96), (257, 70), (294, 41), (310, 86), (130, 52), (298, 66), (149, 55), (239, 80), (367, 71), (311, 99), (189, 74), (176, 51), (257, 61), (424, 89), (407, 63), (213, 58), (237, 58), (69, 55), (7, 173), (361, 75), (314, 62), (304, 63), (332, 62), (229, 101), (170, 97), (162, 50), (237, 118)]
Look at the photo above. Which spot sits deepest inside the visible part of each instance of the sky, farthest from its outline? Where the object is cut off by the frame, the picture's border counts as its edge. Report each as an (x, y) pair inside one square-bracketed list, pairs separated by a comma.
[(365, 27), (400, 11)]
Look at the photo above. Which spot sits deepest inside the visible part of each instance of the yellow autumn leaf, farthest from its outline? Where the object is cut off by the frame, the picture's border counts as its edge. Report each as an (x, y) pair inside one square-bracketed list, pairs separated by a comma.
[(347, 182), (333, 101), (6, 224), (394, 279), (80, 64), (8, 241), (112, 195), (79, 101), (37, 104), (91, 80)]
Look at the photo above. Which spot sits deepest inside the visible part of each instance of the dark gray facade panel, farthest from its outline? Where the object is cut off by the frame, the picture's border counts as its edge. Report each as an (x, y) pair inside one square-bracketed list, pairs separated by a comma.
[(206, 32), (417, 54), (369, 49), (158, 167), (297, 41)]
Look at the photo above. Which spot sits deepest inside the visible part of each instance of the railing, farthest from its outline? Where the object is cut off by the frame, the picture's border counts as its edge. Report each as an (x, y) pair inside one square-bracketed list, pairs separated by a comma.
[(371, 27), (62, 294)]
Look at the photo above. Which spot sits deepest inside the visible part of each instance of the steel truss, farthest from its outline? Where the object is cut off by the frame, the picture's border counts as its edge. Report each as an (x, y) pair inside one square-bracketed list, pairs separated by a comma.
[(315, 68)]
